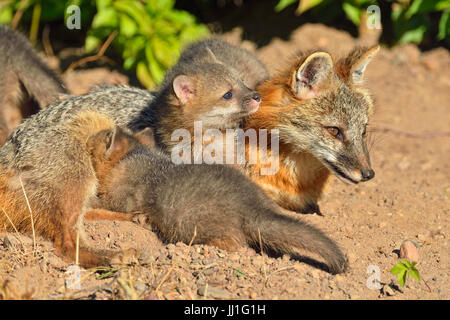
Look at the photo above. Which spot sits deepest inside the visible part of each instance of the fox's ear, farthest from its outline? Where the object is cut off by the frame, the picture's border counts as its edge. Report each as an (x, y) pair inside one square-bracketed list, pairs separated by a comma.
[(210, 56), (360, 63), (309, 79), (146, 137), (184, 88), (99, 143), (116, 141)]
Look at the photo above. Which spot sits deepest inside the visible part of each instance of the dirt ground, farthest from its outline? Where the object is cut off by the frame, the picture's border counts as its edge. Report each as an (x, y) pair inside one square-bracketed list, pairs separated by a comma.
[(407, 199)]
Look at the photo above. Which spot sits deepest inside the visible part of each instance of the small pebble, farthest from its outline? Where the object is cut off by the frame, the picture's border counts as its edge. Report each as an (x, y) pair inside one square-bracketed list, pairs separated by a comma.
[(253, 295), (409, 251)]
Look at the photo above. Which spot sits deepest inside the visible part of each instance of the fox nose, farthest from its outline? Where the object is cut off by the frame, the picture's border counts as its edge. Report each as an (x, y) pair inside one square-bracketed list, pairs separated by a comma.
[(256, 97), (367, 174)]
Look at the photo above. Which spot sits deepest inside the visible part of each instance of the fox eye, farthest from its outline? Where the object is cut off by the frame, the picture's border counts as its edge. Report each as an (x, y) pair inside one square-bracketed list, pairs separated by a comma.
[(365, 131), (335, 132), (228, 95)]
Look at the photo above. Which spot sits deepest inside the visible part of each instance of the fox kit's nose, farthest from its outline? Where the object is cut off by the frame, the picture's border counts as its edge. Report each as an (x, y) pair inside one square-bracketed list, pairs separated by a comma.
[(367, 174), (257, 97), (253, 104)]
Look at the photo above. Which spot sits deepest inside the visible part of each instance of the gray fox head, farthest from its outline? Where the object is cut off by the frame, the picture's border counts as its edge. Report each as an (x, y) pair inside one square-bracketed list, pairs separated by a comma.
[(324, 111), (207, 90)]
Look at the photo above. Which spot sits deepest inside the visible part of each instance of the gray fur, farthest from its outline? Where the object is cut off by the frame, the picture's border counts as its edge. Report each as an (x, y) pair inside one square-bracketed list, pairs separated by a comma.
[(25, 80), (125, 105), (250, 69), (179, 199)]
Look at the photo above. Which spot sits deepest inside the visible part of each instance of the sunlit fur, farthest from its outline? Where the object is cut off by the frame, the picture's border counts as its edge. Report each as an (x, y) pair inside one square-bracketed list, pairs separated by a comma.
[(59, 182), (308, 153)]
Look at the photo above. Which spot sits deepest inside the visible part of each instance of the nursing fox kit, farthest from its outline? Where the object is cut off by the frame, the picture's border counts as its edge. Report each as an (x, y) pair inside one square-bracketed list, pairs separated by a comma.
[(198, 203)]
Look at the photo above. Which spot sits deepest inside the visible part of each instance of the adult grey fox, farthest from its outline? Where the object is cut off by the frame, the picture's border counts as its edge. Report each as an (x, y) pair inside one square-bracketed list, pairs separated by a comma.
[(321, 109), (218, 204), (27, 84)]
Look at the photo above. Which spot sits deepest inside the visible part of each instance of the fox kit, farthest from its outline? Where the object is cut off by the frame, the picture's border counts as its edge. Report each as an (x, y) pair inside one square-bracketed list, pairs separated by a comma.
[(321, 112), (200, 89), (217, 203), (250, 69), (53, 171), (26, 83)]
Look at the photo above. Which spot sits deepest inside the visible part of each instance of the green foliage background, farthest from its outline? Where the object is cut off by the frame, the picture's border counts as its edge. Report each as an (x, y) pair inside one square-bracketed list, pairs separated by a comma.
[(410, 18), (150, 34)]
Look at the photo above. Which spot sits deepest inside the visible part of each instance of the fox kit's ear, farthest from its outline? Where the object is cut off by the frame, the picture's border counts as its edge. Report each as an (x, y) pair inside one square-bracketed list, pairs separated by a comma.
[(146, 137), (309, 78), (359, 66), (119, 143), (184, 88), (99, 143), (108, 141), (210, 56)]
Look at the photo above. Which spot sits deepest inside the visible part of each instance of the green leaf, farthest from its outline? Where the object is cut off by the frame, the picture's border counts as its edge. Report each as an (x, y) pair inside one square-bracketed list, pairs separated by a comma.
[(6, 15), (407, 263), (305, 5), (396, 13), (144, 76), (413, 35), (128, 26), (164, 52), (402, 277), (444, 25), (282, 4), (91, 43), (425, 6), (398, 268), (129, 62), (164, 5), (156, 71), (193, 33), (179, 18), (137, 12), (106, 18), (102, 4), (165, 28), (352, 12), (414, 273)]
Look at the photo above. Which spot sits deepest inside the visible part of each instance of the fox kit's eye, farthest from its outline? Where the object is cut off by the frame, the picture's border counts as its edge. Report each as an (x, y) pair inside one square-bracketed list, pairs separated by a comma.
[(365, 131), (335, 132), (228, 95)]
